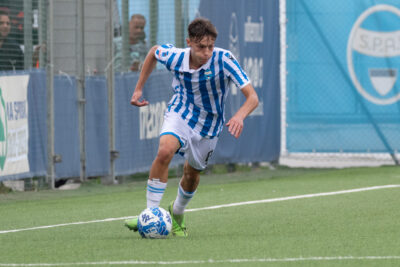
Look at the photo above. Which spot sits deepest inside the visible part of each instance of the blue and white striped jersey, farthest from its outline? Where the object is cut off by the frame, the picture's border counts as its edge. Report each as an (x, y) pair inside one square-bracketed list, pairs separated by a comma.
[(199, 95)]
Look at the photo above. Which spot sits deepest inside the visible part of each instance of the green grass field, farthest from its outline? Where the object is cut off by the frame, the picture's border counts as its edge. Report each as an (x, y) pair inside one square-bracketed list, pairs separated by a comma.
[(346, 228)]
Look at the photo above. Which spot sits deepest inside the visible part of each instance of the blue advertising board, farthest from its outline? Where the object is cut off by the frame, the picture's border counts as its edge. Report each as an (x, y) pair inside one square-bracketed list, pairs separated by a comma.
[(250, 30), (343, 61)]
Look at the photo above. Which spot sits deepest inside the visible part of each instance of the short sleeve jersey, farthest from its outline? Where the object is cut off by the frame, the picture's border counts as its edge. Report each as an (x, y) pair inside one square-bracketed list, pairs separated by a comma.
[(200, 95)]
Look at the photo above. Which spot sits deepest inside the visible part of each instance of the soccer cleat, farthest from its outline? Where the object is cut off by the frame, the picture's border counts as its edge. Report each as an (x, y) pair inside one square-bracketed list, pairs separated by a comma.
[(178, 222), (132, 224)]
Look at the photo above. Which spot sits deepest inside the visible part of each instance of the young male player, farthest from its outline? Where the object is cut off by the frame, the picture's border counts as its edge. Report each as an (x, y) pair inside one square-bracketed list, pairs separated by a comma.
[(195, 115)]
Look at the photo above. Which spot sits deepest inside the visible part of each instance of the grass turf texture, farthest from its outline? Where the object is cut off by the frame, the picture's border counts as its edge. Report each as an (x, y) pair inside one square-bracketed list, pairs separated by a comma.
[(356, 224)]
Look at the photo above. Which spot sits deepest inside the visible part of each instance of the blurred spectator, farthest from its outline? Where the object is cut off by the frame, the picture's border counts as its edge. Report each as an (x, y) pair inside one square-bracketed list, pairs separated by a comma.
[(17, 27), (138, 47), (11, 56)]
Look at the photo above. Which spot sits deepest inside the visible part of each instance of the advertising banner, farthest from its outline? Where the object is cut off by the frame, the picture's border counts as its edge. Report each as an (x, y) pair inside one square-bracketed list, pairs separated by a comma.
[(14, 131), (250, 30), (343, 85)]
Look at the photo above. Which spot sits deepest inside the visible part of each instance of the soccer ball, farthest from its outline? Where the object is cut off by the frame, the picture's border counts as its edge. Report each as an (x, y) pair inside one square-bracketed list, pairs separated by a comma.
[(154, 222)]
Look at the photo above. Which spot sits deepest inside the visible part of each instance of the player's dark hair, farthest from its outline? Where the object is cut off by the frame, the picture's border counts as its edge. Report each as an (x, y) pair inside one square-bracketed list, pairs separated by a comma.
[(201, 27)]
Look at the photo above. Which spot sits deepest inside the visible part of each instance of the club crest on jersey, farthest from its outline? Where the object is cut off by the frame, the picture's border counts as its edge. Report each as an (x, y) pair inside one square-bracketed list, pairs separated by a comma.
[(208, 74), (373, 52)]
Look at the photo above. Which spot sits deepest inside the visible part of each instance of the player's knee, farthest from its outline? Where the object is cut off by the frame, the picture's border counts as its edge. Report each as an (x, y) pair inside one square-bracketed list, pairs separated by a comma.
[(164, 155)]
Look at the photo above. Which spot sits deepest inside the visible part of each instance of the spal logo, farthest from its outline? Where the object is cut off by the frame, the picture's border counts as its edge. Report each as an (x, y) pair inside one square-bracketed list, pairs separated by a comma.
[(373, 54), (3, 131)]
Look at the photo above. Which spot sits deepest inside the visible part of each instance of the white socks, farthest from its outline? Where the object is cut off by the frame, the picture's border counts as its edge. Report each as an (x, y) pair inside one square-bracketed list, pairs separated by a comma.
[(155, 192), (182, 200)]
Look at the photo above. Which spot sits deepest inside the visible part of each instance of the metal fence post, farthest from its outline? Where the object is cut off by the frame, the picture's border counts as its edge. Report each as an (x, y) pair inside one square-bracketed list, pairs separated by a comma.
[(81, 85), (179, 33), (110, 88), (125, 35), (42, 33), (27, 34), (50, 97), (153, 21), (185, 23)]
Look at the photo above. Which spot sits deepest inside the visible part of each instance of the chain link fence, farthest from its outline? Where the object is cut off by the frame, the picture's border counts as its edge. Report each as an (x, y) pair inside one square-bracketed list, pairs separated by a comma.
[(77, 42), (23, 31), (91, 52)]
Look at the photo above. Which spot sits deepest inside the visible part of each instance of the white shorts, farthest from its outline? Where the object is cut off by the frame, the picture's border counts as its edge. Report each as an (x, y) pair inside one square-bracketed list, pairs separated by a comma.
[(195, 148)]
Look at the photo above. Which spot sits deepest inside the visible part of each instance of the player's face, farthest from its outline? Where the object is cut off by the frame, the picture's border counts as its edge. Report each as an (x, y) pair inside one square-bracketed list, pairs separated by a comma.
[(201, 51), (4, 26)]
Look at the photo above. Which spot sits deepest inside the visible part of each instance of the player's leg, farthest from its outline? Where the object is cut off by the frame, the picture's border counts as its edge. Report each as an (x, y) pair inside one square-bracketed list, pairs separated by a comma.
[(158, 177), (167, 148), (197, 154), (186, 190)]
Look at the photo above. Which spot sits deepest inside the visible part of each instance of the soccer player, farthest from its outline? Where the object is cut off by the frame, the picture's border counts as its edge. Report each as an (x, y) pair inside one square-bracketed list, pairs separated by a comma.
[(195, 115)]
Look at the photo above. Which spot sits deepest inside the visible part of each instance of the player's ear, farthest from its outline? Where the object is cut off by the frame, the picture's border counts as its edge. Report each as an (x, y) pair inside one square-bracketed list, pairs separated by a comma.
[(188, 42)]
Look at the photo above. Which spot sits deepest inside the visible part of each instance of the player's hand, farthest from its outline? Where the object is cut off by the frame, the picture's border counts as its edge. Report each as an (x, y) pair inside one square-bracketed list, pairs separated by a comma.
[(137, 100), (235, 126)]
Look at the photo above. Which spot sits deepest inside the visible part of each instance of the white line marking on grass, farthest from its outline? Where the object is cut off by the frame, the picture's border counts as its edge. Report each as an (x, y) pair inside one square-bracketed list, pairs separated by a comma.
[(133, 262), (216, 207), (296, 197), (66, 224)]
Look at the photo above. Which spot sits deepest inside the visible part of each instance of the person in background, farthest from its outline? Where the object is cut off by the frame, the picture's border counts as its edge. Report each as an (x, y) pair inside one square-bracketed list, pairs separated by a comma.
[(138, 47), (11, 55)]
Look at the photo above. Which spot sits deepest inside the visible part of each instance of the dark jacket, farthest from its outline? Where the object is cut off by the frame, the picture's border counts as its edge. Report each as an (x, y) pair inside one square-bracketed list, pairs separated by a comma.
[(11, 56)]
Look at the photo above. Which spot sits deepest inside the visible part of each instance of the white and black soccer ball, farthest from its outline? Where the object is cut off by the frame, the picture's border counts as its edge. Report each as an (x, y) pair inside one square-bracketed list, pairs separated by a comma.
[(154, 222)]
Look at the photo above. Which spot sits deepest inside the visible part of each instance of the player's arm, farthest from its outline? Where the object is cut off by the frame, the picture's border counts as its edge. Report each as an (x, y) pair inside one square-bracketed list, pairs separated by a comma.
[(148, 66), (235, 124)]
